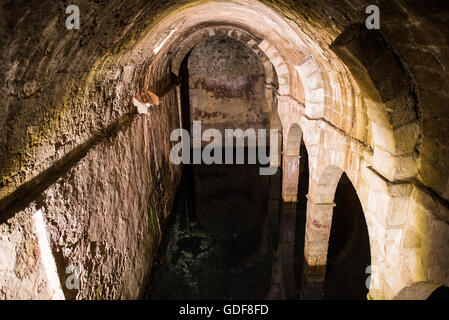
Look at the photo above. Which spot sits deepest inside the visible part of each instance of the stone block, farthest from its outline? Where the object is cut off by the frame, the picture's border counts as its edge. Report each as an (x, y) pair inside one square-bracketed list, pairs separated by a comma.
[(394, 167), (397, 213), (433, 176), (412, 240), (406, 138)]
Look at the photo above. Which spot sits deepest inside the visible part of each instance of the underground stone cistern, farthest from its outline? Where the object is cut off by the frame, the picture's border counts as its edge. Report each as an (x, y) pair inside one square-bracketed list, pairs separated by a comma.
[(83, 169)]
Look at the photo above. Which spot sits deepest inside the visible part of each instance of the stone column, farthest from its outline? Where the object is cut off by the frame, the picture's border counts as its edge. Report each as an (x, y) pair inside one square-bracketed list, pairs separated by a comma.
[(290, 178), (318, 227)]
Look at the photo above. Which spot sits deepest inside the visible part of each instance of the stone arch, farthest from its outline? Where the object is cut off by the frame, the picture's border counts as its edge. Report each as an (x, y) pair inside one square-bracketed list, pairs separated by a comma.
[(276, 124), (272, 62), (383, 205), (285, 44), (293, 141), (326, 86)]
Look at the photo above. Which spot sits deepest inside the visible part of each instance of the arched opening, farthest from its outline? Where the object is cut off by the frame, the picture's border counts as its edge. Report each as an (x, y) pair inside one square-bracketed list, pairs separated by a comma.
[(218, 244), (349, 250)]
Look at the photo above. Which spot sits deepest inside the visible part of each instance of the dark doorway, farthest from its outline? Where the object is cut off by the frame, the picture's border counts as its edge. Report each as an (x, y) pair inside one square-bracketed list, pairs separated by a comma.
[(349, 250)]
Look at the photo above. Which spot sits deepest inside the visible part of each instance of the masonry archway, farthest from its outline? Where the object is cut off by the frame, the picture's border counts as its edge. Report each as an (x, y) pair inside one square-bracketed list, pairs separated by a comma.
[(337, 244), (348, 259)]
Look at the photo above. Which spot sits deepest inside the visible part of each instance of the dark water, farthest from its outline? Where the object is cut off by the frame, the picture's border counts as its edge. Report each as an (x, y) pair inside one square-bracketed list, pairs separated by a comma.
[(219, 243), (229, 236)]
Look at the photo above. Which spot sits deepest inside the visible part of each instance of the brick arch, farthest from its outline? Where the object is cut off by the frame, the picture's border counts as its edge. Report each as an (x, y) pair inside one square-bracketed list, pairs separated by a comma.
[(279, 65), (320, 207), (251, 41)]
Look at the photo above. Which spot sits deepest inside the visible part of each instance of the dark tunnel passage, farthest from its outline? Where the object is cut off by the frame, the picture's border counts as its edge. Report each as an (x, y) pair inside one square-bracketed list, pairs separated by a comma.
[(229, 235)]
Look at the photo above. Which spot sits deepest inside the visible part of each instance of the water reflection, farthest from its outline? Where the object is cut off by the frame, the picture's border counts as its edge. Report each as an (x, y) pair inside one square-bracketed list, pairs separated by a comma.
[(223, 238)]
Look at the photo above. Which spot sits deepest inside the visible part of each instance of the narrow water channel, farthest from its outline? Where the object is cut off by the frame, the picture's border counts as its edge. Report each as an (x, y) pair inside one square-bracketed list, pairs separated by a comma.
[(219, 241)]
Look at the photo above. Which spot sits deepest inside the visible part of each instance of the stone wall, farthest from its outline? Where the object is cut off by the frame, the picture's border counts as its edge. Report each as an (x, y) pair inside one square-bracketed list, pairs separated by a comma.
[(103, 216), (226, 81)]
